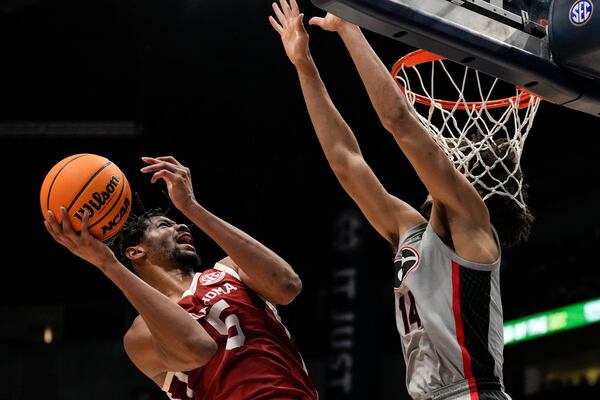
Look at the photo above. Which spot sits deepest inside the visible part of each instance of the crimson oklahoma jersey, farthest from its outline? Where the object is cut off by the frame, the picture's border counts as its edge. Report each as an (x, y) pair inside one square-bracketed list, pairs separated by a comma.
[(256, 358)]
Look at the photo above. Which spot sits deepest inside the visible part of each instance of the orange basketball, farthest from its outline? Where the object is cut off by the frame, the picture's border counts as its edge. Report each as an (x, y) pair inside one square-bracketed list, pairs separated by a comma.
[(88, 182)]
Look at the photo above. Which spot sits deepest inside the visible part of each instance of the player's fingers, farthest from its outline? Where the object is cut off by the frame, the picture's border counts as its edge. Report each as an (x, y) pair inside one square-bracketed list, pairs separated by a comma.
[(285, 7), (167, 176), (163, 159), (316, 21), (160, 165), (55, 235), (279, 14), (275, 25), (149, 160), (66, 223), (294, 7), (52, 225), (49, 229), (52, 219), (169, 159), (56, 229), (85, 222), (299, 21)]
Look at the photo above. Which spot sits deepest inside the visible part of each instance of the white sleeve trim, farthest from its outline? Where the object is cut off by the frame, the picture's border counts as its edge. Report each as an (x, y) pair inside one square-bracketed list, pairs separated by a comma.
[(192, 288), (227, 269), (183, 378), (167, 383)]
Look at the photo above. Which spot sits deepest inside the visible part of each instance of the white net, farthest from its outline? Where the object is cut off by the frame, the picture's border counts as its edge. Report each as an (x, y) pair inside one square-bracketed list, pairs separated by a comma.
[(483, 137)]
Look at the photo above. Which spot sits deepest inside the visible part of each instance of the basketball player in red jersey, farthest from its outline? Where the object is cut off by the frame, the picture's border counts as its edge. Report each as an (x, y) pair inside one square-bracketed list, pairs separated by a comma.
[(210, 335)]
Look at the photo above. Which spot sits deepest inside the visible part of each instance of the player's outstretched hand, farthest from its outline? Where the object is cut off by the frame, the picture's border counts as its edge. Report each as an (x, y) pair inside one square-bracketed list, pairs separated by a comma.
[(177, 177), (82, 244), (290, 26)]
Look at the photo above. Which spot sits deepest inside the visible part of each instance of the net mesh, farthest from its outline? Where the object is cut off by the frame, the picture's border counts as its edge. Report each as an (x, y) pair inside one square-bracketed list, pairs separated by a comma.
[(483, 137)]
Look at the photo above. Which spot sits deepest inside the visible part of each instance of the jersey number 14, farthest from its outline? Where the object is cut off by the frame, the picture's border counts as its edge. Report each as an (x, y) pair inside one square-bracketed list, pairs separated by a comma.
[(412, 316)]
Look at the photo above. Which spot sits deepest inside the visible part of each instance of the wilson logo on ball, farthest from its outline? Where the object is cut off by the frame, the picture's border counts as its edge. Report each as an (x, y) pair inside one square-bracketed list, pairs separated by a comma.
[(99, 199)]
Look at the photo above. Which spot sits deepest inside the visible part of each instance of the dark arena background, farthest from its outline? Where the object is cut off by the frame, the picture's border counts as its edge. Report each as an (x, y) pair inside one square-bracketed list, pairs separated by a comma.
[(209, 82)]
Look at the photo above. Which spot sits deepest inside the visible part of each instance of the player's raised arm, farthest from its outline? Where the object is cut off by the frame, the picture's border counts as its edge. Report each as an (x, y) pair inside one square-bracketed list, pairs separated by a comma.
[(265, 272), (448, 187), (167, 338), (387, 214)]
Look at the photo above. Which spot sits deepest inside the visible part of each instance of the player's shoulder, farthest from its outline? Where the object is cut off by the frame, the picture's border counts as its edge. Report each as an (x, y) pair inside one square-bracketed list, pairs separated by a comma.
[(218, 274), (412, 234)]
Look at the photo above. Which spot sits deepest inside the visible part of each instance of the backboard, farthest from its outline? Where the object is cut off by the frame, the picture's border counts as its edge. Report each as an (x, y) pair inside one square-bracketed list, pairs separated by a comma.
[(508, 39)]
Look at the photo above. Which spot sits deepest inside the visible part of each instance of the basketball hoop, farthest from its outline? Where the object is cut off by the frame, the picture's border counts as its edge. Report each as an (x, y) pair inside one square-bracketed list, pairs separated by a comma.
[(482, 136)]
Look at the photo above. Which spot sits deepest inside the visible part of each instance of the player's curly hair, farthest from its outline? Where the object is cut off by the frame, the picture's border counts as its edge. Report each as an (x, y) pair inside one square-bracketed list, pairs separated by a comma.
[(132, 234), (512, 222)]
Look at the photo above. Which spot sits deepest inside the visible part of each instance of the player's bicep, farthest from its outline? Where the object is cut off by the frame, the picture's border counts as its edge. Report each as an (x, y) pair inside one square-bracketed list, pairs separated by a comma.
[(154, 358), (263, 287), (389, 215)]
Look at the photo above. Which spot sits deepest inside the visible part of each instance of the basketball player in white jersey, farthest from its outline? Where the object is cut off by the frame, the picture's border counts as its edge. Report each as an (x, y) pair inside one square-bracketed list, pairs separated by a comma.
[(447, 289), (200, 335)]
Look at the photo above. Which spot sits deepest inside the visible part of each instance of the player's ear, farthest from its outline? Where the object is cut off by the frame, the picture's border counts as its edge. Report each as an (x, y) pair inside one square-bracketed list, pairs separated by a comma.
[(135, 252)]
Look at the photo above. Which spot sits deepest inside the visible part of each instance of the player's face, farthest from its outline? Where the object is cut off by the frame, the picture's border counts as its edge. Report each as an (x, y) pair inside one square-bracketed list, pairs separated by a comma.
[(171, 243)]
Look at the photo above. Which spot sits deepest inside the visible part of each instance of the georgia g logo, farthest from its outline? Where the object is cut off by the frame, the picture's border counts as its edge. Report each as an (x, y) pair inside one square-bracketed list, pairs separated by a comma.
[(406, 260)]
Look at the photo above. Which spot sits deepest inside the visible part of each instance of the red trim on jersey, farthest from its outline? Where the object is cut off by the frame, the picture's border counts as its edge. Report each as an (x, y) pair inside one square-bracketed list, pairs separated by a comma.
[(460, 332)]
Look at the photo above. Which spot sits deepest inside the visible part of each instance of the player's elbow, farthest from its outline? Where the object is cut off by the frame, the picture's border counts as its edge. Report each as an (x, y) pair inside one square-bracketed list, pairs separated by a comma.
[(202, 350), (289, 289), (395, 119), (345, 164), (341, 169)]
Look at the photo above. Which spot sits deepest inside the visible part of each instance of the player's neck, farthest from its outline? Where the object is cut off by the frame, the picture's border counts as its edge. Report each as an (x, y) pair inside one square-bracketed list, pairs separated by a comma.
[(172, 283)]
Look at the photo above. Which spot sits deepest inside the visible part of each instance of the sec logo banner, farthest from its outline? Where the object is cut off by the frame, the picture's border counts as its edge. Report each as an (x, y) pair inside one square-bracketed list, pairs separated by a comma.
[(581, 12)]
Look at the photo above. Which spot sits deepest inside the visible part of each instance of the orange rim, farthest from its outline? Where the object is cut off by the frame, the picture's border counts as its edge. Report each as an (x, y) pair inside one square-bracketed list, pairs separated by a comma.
[(422, 56)]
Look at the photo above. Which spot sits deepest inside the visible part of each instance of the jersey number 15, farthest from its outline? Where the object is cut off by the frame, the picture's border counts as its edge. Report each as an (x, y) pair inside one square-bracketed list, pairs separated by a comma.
[(222, 325)]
